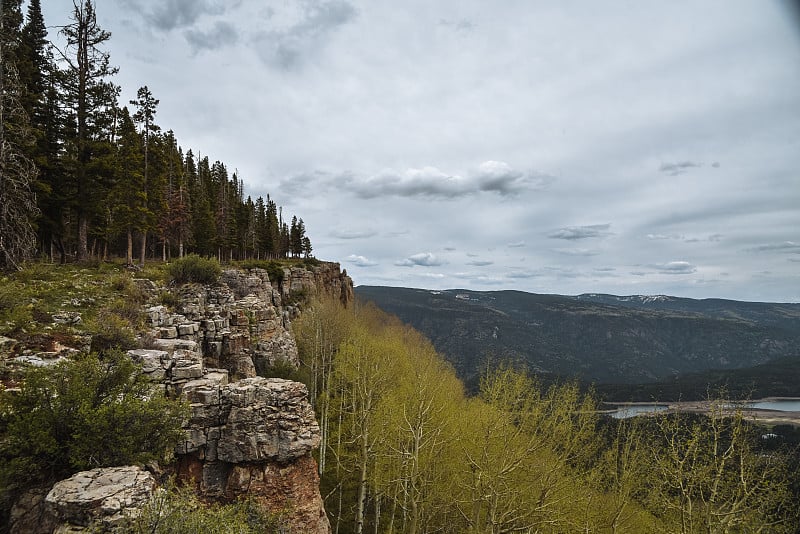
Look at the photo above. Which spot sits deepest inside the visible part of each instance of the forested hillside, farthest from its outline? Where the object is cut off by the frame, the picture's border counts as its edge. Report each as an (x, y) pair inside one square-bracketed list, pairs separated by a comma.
[(405, 450), (607, 340), (84, 175)]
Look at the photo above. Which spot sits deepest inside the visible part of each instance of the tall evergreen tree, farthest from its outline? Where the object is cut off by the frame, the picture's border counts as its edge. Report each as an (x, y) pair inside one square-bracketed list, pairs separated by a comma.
[(174, 219), (17, 172), (145, 114), (129, 196), (89, 96), (42, 103)]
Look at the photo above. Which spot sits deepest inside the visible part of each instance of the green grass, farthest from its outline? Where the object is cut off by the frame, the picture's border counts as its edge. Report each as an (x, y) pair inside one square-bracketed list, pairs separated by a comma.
[(30, 298)]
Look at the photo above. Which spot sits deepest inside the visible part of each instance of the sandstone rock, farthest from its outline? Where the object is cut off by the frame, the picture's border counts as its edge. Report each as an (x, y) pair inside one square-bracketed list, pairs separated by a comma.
[(281, 348), (254, 437), (157, 315), (44, 359), (106, 495), (294, 487), (168, 332), (68, 318), (171, 345), (147, 287), (7, 344)]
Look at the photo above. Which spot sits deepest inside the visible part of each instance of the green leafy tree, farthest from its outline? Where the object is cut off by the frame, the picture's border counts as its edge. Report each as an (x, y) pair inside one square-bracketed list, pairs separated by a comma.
[(710, 476)]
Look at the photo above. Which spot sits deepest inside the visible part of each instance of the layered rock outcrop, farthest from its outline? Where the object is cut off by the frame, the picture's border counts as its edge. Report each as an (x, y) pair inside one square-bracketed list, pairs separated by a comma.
[(242, 324), (255, 437), (100, 497), (246, 435)]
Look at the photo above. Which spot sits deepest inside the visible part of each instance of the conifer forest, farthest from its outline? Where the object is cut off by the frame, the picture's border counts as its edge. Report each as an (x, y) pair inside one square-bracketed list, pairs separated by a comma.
[(85, 176)]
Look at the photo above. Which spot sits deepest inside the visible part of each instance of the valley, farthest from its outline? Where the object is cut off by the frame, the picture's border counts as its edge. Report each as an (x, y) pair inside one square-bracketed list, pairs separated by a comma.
[(635, 348)]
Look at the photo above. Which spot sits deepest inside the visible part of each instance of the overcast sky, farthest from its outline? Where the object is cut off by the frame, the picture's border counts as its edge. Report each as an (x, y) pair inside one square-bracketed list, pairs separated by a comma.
[(627, 147)]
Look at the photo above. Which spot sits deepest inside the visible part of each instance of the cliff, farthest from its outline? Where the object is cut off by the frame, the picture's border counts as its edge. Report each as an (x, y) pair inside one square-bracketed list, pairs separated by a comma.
[(246, 435)]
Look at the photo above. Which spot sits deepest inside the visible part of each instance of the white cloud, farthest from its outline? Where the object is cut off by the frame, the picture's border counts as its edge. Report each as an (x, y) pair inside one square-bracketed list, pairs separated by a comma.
[(580, 232), (353, 234), (675, 267), (426, 259), (361, 261)]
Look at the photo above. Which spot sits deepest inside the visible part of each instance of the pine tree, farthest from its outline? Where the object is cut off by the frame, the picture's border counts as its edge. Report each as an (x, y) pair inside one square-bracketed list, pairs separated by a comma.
[(272, 236), (174, 217), (92, 102), (145, 114), (129, 210), (42, 103), (17, 172)]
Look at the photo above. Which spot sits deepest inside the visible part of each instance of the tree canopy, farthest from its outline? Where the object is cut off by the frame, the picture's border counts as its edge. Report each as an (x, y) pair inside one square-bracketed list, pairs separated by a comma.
[(82, 177)]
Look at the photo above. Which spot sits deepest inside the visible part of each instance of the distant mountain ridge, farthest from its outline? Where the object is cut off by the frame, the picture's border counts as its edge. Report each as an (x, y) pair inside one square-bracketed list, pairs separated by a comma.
[(600, 338)]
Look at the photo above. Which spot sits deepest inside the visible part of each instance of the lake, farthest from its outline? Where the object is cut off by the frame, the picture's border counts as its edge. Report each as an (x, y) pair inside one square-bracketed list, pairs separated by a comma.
[(781, 405), (623, 412)]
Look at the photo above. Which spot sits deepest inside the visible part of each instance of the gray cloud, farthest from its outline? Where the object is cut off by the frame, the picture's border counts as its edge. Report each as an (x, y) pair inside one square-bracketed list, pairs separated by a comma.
[(516, 244), (679, 237), (463, 25), (287, 48), (577, 251), (789, 247), (604, 269), (580, 232), (674, 169), (523, 274), (220, 35), (499, 177), (353, 234), (425, 183), (171, 14), (659, 237), (675, 267), (425, 259), (361, 261), (480, 263)]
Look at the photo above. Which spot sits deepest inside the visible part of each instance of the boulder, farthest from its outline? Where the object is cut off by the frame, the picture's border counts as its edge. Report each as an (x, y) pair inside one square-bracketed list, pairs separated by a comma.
[(105, 496)]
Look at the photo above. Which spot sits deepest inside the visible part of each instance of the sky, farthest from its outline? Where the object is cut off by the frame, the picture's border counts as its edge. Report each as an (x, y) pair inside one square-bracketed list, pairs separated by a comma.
[(625, 147)]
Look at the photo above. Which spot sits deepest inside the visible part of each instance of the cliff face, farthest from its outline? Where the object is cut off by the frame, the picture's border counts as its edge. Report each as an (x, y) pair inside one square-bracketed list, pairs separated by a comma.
[(254, 437), (246, 435), (249, 435)]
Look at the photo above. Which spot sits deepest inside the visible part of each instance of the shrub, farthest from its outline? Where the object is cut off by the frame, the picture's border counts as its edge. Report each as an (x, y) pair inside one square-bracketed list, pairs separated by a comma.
[(177, 509), (279, 369), (13, 321), (113, 332), (169, 299), (193, 268), (82, 414), (275, 272), (310, 262)]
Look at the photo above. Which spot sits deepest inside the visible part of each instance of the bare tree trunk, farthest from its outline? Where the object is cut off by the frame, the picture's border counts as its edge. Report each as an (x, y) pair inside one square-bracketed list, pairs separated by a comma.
[(129, 254), (144, 247)]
